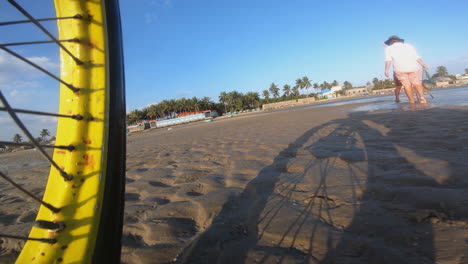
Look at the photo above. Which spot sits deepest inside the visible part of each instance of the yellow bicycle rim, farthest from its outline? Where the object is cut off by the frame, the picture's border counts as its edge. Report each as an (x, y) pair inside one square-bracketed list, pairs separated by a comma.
[(79, 199)]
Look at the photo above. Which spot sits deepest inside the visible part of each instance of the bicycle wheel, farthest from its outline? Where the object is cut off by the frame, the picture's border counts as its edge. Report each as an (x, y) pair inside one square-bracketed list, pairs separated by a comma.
[(87, 187)]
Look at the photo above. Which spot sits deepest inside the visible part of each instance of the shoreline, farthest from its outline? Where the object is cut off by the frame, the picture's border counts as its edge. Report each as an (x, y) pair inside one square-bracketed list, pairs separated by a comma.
[(316, 103)]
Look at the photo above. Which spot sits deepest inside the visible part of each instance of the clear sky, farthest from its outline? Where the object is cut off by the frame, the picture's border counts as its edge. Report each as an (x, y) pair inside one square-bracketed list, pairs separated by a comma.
[(186, 48)]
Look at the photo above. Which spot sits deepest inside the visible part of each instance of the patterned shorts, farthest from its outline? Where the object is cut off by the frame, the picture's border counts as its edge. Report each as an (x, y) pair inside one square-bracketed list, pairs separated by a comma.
[(409, 79)]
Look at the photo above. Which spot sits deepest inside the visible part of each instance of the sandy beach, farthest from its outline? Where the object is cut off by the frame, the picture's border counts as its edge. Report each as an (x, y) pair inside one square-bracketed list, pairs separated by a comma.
[(308, 185)]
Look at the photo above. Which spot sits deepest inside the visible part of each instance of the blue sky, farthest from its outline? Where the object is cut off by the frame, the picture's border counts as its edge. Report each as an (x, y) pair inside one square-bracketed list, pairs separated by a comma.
[(185, 48), (200, 48)]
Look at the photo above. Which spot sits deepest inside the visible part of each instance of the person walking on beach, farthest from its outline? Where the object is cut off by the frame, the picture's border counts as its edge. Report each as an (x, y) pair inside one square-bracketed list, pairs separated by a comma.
[(406, 66)]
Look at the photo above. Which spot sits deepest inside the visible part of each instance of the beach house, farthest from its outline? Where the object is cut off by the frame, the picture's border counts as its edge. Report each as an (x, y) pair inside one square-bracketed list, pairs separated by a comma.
[(461, 79), (327, 93), (357, 91), (336, 88), (443, 81)]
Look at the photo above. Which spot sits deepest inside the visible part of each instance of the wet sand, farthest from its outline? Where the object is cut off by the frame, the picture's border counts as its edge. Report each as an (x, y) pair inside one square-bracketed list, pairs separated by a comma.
[(309, 185)]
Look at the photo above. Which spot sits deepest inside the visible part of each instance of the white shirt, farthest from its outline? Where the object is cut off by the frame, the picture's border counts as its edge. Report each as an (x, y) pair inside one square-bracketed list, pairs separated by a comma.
[(403, 56)]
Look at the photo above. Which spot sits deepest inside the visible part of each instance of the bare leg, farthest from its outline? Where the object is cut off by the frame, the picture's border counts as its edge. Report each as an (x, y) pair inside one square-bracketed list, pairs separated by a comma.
[(415, 92), (397, 93), (409, 93), (420, 91)]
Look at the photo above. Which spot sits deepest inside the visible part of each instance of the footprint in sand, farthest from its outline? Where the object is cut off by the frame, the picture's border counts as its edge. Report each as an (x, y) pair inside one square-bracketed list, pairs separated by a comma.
[(132, 240), (10, 200), (129, 180), (179, 227), (8, 219), (130, 219), (26, 217), (193, 193), (159, 201), (130, 197), (158, 184)]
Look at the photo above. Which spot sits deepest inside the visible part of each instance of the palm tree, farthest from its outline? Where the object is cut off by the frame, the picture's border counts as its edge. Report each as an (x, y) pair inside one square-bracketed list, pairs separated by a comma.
[(134, 116), (299, 84), (287, 89), (324, 85), (441, 72), (223, 99), (347, 85), (295, 90), (44, 134), (205, 103), (306, 84), (274, 90), (163, 110), (152, 111), (17, 138), (335, 83), (316, 86), (233, 100), (377, 83), (171, 108), (182, 105), (266, 94), (144, 113), (194, 104), (252, 98)]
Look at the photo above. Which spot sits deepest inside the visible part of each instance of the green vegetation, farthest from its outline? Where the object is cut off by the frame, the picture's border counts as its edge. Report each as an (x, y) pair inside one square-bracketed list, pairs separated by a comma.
[(44, 134), (43, 138), (382, 84), (441, 72), (17, 138), (235, 101)]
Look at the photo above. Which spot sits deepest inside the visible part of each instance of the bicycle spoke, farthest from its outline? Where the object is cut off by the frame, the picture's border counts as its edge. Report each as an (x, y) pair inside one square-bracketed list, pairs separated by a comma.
[(38, 42), (71, 87), (18, 122), (70, 148), (24, 111), (17, 186), (77, 16), (43, 29)]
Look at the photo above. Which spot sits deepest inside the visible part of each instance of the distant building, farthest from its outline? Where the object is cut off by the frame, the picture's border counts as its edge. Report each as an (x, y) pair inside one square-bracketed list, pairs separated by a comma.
[(327, 93), (384, 91), (443, 81), (336, 88), (357, 91), (461, 79)]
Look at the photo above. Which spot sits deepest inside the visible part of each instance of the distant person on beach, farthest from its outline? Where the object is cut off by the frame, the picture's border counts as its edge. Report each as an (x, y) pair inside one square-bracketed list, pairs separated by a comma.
[(406, 66), (398, 87)]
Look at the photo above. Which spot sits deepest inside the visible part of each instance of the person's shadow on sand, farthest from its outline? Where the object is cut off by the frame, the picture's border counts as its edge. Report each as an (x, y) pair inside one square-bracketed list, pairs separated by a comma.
[(372, 188)]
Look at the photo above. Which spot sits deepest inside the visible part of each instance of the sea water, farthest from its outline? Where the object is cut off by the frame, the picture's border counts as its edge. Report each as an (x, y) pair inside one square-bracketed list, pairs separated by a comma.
[(447, 97)]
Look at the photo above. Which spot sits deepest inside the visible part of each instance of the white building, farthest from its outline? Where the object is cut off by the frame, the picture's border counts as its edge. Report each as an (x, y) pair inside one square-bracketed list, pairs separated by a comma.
[(327, 93), (357, 91), (336, 88)]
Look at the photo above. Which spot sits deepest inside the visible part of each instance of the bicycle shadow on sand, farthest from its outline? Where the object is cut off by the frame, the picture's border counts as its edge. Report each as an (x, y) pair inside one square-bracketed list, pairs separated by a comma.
[(371, 188)]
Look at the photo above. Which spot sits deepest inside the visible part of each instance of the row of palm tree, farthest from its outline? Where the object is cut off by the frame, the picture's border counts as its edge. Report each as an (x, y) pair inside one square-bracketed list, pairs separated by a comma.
[(301, 85), (44, 134), (230, 101), (236, 101), (170, 109)]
